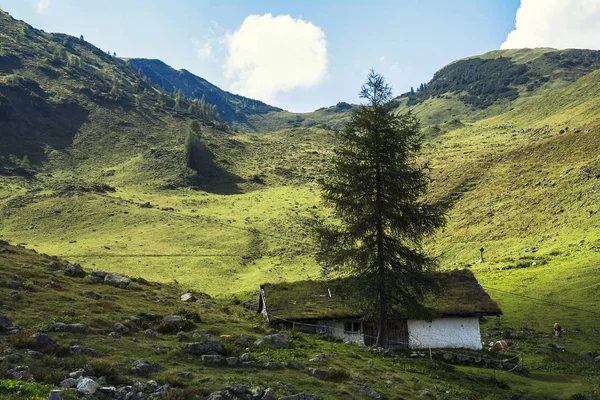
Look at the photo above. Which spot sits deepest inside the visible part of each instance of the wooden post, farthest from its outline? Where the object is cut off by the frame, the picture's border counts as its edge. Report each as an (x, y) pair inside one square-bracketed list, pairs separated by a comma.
[(481, 253)]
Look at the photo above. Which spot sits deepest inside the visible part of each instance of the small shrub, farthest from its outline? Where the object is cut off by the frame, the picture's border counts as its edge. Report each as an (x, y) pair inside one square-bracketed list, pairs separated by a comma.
[(106, 369)]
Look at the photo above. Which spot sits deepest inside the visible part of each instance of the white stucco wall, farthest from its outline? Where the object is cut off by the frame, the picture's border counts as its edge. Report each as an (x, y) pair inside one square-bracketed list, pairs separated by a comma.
[(337, 331), (445, 332)]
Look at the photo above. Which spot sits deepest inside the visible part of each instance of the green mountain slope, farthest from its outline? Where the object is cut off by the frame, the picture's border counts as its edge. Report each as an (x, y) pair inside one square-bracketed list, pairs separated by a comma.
[(232, 108)]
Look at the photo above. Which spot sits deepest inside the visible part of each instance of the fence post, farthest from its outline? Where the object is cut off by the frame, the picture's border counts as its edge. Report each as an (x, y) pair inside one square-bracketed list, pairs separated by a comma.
[(55, 395)]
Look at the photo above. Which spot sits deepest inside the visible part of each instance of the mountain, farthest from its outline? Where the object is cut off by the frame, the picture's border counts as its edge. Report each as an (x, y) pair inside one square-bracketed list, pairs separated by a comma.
[(232, 108), (93, 169)]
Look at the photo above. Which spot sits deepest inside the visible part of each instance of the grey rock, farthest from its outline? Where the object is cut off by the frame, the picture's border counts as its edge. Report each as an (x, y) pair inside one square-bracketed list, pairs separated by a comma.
[(237, 389), (74, 270), (115, 335), (302, 396), (54, 265), (320, 374), (269, 395), (68, 383), (293, 364), (257, 392), (55, 395), (77, 374), (131, 324), (203, 347), (90, 295), (94, 279), (14, 296), (36, 355), (185, 375), (116, 280), (271, 365), (91, 353), (20, 373), (448, 356), (209, 359), (109, 392), (425, 393), (70, 328), (174, 320), (76, 349), (141, 281), (150, 334), (245, 357), (118, 327), (597, 360), (144, 368), (182, 336), (232, 361), (275, 341), (367, 391), (87, 386), (98, 273), (188, 297), (5, 322), (217, 396), (44, 343), (462, 357)]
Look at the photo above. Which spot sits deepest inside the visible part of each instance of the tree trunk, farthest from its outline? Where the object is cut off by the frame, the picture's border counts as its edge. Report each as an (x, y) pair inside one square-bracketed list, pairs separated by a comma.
[(382, 333)]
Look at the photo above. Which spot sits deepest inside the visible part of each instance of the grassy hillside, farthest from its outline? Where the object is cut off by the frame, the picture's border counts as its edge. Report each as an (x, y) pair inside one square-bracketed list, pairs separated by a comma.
[(41, 296)]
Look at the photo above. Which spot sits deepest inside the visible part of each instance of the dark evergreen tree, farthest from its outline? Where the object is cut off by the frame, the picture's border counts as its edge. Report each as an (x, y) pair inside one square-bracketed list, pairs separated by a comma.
[(375, 188), (193, 146)]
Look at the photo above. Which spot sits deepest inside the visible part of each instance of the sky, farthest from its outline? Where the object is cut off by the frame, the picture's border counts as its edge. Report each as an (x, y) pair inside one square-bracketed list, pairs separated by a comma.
[(303, 55)]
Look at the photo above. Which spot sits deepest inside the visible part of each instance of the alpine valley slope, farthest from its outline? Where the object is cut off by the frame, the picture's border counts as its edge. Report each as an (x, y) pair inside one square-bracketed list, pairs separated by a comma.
[(93, 171)]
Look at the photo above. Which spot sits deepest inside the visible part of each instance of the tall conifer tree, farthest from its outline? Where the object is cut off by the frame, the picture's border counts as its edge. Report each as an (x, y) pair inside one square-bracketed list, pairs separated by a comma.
[(375, 188)]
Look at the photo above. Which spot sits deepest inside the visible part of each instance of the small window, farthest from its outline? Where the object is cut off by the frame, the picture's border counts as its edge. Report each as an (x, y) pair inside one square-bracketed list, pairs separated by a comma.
[(352, 327)]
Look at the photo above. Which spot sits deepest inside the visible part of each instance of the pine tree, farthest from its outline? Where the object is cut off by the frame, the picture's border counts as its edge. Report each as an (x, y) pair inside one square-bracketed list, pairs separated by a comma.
[(178, 99), (192, 146), (375, 188)]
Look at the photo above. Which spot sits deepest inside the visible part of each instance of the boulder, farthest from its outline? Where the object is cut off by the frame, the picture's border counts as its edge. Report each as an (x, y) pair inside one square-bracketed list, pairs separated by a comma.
[(302, 396), (115, 335), (275, 341), (44, 343), (232, 361), (200, 348), (367, 391), (209, 359), (237, 389), (55, 395), (269, 395), (185, 375), (87, 386), (144, 368), (20, 373), (597, 360), (116, 280), (149, 333), (91, 353), (182, 336), (36, 355), (99, 274), (293, 364), (188, 298), (90, 295), (74, 270), (68, 383), (70, 328), (175, 321), (5, 322), (320, 374), (118, 327)]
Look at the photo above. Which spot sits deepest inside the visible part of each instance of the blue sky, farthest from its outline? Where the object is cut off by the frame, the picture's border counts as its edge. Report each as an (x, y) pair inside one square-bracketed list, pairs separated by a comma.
[(308, 54)]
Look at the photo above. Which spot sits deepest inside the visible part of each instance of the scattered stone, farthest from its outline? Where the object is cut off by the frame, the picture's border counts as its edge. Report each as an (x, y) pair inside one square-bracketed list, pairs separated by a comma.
[(237, 389), (320, 374), (74, 270), (271, 365), (143, 368), (367, 391), (141, 281), (174, 320), (208, 346), (20, 373), (188, 297), (90, 295), (115, 335), (70, 328), (275, 341), (302, 396), (232, 361), (500, 345), (425, 393), (116, 280), (5, 322), (55, 395), (77, 374), (294, 364), (269, 395), (44, 343), (54, 265), (94, 279), (597, 360), (146, 205), (185, 375), (76, 349), (150, 334), (462, 357), (448, 356), (209, 359), (245, 357), (182, 336), (87, 386), (531, 249), (118, 327), (36, 355), (14, 296), (99, 274), (68, 383)]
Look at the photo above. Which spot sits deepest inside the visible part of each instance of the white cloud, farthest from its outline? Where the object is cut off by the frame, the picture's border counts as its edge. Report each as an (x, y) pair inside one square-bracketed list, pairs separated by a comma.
[(556, 23), (42, 6), (389, 65), (205, 51), (268, 55)]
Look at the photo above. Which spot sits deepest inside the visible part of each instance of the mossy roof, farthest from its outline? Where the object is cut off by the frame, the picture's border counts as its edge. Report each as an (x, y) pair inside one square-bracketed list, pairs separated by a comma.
[(460, 294)]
